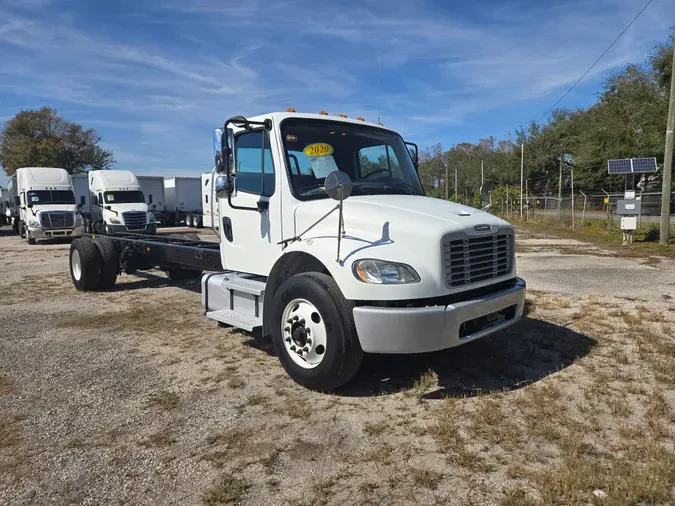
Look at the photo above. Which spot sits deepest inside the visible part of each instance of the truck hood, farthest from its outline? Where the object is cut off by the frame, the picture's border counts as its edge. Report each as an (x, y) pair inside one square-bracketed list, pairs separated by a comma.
[(367, 216), (53, 207)]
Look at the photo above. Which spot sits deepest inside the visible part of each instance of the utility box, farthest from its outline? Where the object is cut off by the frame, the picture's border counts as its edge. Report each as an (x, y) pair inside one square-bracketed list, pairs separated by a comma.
[(629, 207), (628, 223)]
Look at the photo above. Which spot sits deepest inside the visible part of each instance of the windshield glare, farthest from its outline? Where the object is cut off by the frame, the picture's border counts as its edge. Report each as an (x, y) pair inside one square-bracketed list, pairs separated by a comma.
[(38, 197), (124, 197), (377, 161)]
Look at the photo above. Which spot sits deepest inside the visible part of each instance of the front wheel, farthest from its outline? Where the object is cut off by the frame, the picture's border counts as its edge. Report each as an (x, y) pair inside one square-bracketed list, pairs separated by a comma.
[(32, 240), (314, 333)]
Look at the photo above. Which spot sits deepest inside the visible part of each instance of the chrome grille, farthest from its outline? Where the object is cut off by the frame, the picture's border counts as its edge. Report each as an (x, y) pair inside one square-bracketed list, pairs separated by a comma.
[(468, 260), (135, 219), (57, 219)]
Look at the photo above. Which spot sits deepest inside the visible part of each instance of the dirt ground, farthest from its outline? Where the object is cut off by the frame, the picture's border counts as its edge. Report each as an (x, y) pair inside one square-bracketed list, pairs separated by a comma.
[(133, 397)]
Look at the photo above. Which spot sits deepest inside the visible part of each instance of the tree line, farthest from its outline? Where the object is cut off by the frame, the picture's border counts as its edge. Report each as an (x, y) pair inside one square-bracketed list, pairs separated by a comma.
[(628, 120)]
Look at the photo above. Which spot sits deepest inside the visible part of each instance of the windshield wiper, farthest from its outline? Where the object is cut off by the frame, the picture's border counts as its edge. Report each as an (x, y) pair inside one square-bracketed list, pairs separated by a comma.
[(385, 186)]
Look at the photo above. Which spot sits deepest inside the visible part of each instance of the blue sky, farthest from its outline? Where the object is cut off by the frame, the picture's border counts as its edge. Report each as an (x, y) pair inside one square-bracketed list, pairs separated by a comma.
[(155, 77)]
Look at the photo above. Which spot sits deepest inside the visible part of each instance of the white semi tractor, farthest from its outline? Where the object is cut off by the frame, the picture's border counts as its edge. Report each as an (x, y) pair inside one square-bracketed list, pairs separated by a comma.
[(329, 245), (116, 204), (44, 204)]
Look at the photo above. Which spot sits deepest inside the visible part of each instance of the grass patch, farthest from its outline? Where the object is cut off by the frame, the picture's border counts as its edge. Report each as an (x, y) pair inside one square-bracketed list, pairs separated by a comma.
[(6, 385), (426, 478), (375, 429), (257, 400), (159, 439), (298, 408), (228, 490), (164, 399), (515, 495)]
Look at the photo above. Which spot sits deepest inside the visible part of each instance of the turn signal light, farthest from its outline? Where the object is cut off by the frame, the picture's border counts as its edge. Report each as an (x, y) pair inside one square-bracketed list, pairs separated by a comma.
[(342, 115), (290, 109), (360, 118), (323, 113)]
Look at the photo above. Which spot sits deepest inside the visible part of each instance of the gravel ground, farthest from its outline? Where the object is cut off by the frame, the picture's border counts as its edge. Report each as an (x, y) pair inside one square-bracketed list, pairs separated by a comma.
[(133, 397)]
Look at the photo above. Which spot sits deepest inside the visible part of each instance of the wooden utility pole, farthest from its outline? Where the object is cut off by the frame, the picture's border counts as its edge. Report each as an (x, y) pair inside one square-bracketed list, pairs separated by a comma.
[(560, 185), (447, 183), (522, 160), (572, 176), (482, 174), (456, 185), (668, 162)]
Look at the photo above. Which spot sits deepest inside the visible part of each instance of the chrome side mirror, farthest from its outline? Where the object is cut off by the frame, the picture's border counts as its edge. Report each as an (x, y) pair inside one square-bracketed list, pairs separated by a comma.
[(223, 184)]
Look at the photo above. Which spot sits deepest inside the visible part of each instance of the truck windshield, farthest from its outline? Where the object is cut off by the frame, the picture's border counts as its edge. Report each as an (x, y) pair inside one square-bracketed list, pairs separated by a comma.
[(38, 197), (124, 197), (376, 160)]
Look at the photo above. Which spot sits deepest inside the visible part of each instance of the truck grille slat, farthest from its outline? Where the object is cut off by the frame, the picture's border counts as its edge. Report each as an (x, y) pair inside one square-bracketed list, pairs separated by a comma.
[(135, 219), (468, 260), (57, 219)]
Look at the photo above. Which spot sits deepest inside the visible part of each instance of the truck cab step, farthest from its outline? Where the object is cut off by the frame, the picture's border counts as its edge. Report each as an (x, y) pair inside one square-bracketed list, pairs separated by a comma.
[(243, 284), (235, 319)]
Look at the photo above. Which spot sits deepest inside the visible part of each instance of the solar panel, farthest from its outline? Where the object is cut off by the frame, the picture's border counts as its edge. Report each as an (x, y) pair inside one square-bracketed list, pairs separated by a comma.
[(619, 166), (644, 164), (631, 165)]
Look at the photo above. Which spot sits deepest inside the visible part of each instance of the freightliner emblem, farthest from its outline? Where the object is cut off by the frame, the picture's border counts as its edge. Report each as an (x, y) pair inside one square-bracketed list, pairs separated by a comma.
[(482, 228)]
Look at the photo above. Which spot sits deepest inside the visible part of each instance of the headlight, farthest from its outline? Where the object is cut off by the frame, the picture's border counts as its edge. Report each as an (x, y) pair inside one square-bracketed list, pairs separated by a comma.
[(151, 218), (78, 219), (383, 272), (114, 221), (33, 223)]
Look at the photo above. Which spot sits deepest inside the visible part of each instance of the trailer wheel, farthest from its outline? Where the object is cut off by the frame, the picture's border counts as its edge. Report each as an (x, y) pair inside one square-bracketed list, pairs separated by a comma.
[(188, 221), (314, 333), (180, 274), (108, 260), (84, 264), (197, 220)]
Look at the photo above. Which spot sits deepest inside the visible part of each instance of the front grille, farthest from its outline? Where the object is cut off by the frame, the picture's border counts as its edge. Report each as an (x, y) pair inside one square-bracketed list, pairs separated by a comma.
[(468, 260), (57, 219), (135, 219)]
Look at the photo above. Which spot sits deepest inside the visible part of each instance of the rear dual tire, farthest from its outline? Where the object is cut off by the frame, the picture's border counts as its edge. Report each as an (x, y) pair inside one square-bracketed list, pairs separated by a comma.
[(93, 264)]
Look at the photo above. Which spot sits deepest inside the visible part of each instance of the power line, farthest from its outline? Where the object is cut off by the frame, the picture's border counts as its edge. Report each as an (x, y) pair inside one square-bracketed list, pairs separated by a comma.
[(595, 62)]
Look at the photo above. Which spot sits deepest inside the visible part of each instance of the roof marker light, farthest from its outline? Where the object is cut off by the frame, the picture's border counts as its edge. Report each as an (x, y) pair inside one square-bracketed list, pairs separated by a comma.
[(323, 113), (361, 118), (290, 109), (342, 115)]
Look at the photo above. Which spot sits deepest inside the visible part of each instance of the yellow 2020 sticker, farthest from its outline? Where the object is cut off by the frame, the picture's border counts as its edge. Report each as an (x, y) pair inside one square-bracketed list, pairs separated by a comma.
[(318, 149)]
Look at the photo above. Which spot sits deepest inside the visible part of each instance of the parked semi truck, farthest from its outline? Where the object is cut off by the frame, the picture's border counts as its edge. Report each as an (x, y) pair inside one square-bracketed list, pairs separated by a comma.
[(153, 191), (329, 245), (4, 207), (116, 204), (44, 204)]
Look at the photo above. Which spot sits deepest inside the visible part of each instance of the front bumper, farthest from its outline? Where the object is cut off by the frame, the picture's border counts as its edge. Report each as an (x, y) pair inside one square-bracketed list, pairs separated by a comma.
[(434, 328), (41, 233), (150, 228)]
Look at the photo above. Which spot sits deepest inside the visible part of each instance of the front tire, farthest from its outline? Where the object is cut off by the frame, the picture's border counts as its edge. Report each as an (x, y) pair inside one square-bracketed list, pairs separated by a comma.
[(32, 240), (84, 264), (329, 317)]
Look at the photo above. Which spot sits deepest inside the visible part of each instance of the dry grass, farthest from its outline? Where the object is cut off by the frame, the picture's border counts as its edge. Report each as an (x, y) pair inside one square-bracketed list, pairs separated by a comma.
[(228, 490), (375, 429), (164, 399), (426, 478), (298, 408)]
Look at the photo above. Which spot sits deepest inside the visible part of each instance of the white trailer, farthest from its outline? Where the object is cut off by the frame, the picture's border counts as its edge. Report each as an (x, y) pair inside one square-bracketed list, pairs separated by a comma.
[(153, 190), (211, 214), (329, 246), (183, 202), (81, 189), (4, 207)]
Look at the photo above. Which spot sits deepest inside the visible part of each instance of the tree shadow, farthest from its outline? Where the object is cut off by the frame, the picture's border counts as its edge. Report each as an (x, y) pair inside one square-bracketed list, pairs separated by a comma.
[(522, 354)]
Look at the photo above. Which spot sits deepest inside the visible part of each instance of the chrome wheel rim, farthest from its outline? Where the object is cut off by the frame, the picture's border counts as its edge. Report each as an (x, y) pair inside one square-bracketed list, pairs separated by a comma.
[(76, 264), (304, 333)]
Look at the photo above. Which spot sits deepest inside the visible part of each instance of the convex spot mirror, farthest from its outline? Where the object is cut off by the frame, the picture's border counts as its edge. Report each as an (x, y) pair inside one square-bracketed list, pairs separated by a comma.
[(338, 185)]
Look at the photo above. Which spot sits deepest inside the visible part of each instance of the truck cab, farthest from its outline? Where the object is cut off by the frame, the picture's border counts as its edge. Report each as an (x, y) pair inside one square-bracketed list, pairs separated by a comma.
[(118, 204), (45, 203)]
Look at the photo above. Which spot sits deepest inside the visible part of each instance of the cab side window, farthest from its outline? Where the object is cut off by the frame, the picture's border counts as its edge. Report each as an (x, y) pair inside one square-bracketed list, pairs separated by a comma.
[(249, 156)]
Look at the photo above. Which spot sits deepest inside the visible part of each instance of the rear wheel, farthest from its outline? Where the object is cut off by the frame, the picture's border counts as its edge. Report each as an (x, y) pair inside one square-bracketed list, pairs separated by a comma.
[(108, 260), (314, 333), (198, 221), (84, 264)]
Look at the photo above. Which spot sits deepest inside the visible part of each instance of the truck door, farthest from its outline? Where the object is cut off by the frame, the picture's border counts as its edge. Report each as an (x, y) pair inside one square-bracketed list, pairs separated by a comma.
[(250, 223)]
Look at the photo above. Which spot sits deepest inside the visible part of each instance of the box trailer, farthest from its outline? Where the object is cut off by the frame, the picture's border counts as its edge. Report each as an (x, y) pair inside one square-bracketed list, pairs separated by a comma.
[(182, 196), (153, 190)]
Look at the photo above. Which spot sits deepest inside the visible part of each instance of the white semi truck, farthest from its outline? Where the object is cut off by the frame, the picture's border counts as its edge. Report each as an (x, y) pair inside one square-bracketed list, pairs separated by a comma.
[(117, 204), (329, 245), (5, 209), (45, 204)]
